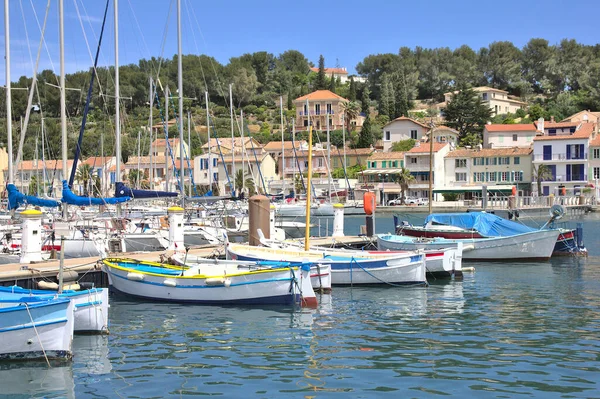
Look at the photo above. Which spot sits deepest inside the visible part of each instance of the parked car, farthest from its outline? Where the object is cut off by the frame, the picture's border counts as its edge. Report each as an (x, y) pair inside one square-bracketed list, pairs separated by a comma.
[(423, 201), (411, 201), (394, 202)]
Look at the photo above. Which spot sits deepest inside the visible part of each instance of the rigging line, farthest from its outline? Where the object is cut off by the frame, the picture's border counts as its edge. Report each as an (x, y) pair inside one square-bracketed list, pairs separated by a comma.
[(163, 44), (44, 40), (196, 45), (146, 48)]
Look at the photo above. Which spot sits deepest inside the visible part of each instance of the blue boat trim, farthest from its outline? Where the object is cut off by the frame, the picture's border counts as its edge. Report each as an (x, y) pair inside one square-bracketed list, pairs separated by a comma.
[(87, 304), (34, 324)]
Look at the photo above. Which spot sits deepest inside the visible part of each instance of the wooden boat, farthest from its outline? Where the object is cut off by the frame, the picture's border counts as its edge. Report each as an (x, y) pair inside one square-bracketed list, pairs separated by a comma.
[(34, 328), (320, 275), (90, 306), (210, 284), (347, 268)]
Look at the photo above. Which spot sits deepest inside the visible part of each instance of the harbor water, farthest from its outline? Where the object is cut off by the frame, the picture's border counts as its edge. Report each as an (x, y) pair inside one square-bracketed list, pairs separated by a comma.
[(507, 330)]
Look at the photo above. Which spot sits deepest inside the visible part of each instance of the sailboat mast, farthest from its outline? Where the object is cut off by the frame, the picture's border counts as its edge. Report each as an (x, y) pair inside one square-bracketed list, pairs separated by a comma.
[(8, 94), (328, 157), (232, 138), (43, 159), (117, 96), (189, 125), (151, 171), (167, 140), (243, 150), (138, 157), (282, 146), (308, 193), (63, 106), (294, 148), (180, 90), (209, 143)]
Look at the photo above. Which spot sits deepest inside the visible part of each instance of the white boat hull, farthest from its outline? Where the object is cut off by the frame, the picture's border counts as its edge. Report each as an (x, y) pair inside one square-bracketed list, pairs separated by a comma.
[(37, 331)]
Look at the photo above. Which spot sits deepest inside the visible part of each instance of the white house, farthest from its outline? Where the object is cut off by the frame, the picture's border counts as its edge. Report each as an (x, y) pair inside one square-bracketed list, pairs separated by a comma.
[(417, 162), (564, 149), (499, 101), (402, 128), (445, 134), (508, 135)]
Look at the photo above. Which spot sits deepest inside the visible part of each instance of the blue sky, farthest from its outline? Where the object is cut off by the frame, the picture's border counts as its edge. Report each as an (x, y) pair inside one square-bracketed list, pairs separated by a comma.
[(344, 31)]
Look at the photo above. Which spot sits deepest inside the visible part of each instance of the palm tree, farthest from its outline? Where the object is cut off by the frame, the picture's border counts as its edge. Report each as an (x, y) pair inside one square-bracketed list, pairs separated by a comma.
[(351, 110), (404, 179), (84, 176), (541, 173), (249, 183)]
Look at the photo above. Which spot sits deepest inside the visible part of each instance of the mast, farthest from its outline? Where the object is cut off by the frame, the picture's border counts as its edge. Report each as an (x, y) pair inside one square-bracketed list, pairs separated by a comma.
[(151, 171), (102, 175), (138, 157), (117, 96), (294, 148), (43, 159), (37, 168), (8, 93), (209, 143), (243, 150), (63, 106), (308, 193), (190, 143), (167, 139), (180, 90), (431, 166), (328, 157), (282, 146), (232, 139)]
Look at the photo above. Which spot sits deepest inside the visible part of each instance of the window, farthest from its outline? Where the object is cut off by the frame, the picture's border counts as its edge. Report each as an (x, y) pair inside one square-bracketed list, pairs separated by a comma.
[(504, 176), (529, 138), (515, 137), (552, 132), (495, 109), (484, 96), (413, 134), (572, 130), (305, 110), (317, 109), (517, 160), (329, 109), (478, 177), (306, 123), (384, 164), (506, 109), (305, 164), (504, 161), (413, 160), (394, 164), (388, 135), (373, 164), (478, 161), (518, 176), (596, 153), (492, 176), (461, 176), (501, 139), (596, 173), (493, 161), (320, 162), (460, 163)]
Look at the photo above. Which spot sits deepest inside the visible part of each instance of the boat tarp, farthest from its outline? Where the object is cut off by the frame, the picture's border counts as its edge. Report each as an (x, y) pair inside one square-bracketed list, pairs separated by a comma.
[(121, 190), (486, 224), (70, 198), (16, 199)]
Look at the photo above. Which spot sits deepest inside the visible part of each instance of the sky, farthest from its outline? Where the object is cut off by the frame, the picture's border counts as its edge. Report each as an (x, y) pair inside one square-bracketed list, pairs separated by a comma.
[(344, 32)]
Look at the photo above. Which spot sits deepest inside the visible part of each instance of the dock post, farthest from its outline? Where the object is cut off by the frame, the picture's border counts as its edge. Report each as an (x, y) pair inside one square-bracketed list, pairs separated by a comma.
[(176, 228), (31, 242), (338, 220), (258, 212)]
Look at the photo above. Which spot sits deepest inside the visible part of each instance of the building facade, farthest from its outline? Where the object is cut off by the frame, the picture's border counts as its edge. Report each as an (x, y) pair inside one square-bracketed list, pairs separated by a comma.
[(320, 105), (509, 135), (499, 101), (401, 129)]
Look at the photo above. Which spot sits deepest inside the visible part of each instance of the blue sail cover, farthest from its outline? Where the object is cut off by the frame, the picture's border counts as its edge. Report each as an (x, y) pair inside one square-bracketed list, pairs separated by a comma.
[(486, 224), (121, 190), (72, 199), (16, 199)]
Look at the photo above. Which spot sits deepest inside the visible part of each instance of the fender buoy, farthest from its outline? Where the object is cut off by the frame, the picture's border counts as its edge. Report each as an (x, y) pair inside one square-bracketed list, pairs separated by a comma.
[(369, 202)]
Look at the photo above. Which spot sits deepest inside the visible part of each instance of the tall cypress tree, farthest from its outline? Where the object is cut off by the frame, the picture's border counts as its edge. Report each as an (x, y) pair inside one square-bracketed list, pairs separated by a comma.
[(321, 83), (332, 83), (365, 102), (352, 90), (290, 105), (365, 138)]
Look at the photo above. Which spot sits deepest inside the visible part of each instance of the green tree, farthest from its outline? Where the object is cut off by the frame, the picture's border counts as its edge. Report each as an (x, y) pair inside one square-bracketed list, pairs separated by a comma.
[(33, 186), (404, 179), (245, 85), (351, 110), (321, 82), (332, 83), (239, 180), (403, 145), (386, 97), (365, 102), (352, 90), (84, 177), (467, 113), (365, 139), (541, 173)]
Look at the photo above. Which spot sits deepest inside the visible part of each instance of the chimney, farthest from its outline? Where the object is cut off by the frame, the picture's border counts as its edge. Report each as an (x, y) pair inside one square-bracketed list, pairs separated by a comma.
[(540, 125), (552, 119)]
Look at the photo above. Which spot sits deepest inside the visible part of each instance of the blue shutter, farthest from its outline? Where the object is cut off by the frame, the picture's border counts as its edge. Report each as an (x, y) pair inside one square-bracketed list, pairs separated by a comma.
[(568, 172), (568, 152), (581, 155)]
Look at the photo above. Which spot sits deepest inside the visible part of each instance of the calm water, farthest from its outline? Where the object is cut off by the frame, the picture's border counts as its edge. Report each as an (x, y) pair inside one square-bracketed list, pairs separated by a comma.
[(507, 330)]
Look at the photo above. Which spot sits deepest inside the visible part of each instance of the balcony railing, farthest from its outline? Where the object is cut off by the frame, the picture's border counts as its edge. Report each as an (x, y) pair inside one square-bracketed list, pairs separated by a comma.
[(574, 177), (559, 157), (313, 113)]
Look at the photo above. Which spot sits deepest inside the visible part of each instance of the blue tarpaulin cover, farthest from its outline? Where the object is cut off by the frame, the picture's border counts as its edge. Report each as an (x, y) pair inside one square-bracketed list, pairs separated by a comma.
[(121, 190), (70, 198), (16, 199), (486, 224)]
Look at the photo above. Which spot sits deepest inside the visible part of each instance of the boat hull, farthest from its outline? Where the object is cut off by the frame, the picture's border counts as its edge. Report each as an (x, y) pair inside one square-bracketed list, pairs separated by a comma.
[(37, 330)]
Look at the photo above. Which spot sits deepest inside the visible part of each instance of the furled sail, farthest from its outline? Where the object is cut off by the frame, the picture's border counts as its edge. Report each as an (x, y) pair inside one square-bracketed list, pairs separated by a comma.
[(121, 190), (16, 199), (70, 198)]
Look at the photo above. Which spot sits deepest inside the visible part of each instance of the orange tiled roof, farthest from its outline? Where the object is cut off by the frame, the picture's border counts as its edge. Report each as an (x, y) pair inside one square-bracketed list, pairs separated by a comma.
[(514, 127), (287, 145), (157, 161), (425, 148), (595, 142), (320, 95), (162, 142), (488, 152), (404, 118), (584, 132), (51, 164), (558, 125), (97, 161), (386, 155)]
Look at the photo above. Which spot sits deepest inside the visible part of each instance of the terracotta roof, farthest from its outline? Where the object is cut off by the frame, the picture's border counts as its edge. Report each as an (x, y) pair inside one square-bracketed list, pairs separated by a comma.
[(480, 89), (514, 127), (442, 127), (386, 155), (424, 148), (320, 95), (98, 161), (404, 118), (558, 125), (488, 152), (354, 151), (595, 142), (584, 132), (51, 164), (226, 142), (246, 158), (329, 71), (114, 168), (593, 113), (287, 145)]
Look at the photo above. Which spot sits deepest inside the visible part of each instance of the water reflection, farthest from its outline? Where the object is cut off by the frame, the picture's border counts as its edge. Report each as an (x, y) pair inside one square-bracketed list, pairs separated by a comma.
[(28, 380)]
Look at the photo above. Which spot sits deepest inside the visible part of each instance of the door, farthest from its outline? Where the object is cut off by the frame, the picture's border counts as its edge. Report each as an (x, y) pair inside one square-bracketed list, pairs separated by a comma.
[(547, 152), (546, 190)]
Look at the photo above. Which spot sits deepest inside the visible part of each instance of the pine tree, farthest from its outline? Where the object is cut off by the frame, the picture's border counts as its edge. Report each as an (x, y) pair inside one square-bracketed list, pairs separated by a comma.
[(365, 102), (290, 104), (352, 90), (365, 139), (401, 101), (467, 114), (332, 83), (386, 97), (320, 83)]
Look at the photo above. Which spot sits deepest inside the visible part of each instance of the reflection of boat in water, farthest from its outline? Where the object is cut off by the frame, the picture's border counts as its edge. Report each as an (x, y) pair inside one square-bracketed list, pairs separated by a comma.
[(29, 380), (91, 353)]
